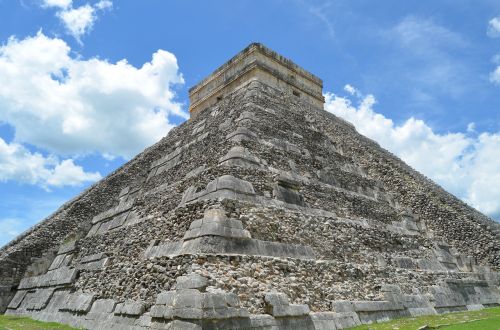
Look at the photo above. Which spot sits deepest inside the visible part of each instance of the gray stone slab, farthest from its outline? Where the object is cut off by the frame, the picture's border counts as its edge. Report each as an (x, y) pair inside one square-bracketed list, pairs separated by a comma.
[(60, 276), (58, 260), (241, 134), (166, 298), (375, 306), (290, 310), (191, 281), (420, 311), (120, 208), (103, 306), (18, 298), (188, 298), (276, 298), (130, 308), (342, 306), (37, 300), (93, 257), (67, 247), (79, 302)]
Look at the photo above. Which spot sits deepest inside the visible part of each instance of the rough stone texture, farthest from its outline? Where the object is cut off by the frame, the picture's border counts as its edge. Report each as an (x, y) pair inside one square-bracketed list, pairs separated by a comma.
[(262, 211)]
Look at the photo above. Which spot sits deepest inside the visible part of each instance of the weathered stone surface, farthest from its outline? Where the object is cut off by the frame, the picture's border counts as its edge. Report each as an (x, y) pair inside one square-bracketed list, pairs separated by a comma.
[(60, 276), (130, 308), (191, 281), (79, 302), (261, 191)]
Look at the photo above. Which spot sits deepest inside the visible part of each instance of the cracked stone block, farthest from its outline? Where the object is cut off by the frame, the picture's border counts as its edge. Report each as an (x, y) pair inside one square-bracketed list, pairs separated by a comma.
[(18, 298), (79, 302), (131, 308), (188, 298), (191, 281), (67, 247), (105, 306)]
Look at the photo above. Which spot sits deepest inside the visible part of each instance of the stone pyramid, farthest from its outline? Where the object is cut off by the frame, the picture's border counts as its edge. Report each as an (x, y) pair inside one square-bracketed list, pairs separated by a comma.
[(262, 211)]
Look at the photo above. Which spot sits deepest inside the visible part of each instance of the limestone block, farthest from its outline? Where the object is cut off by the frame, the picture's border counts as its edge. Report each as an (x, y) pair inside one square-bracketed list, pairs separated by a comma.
[(189, 298), (241, 134), (476, 307), (416, 301), (225, 313), (240, 156), (342, 306), (444, 297), (37, 300), (213, 228), (79, 302), (58, 260), (103, 306), (188, 313), (191, 281), (219, 188), (67, 247), (324, 321), (220, 300), (59, 276), (420, 311), (93, 257), (131, 308), (18, 298), (182, 325), (277, 304), (231, 183), (375, 306), (166, 298), (276, 298), (120, 208), (162, 312), (290, 310)]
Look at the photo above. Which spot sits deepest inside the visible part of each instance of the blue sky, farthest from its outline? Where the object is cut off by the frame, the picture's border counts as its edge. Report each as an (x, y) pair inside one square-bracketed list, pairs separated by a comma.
[(88, 84)]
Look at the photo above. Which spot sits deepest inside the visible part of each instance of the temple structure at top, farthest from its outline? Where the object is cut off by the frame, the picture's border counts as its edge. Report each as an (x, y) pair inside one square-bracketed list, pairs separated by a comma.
[(256, 62)]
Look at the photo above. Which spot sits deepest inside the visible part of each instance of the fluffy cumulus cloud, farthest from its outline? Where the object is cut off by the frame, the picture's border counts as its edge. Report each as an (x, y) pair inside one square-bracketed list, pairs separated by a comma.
[(77, 20), (493, 30), (72, 106), (19, 164), (464, 163)]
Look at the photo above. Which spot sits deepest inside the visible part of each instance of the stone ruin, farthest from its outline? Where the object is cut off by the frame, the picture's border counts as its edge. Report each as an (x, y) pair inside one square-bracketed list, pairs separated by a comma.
[(263, 211)]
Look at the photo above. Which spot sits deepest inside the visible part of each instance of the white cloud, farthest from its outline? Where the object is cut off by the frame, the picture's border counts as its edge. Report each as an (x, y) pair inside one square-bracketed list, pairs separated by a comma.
[(493, 30), (63, 4), (464, 165), (104, 4), (78, 21), (349, 89), (495, 76), (19, 164), (74, 106)]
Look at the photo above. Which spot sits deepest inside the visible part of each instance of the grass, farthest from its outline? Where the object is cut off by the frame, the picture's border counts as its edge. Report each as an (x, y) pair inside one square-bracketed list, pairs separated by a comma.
[(11, 322), (486, 319)]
